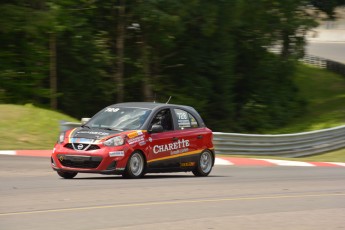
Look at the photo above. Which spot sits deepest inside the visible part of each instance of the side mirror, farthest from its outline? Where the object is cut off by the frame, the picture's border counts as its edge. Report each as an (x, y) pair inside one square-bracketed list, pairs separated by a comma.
[(156, 129)]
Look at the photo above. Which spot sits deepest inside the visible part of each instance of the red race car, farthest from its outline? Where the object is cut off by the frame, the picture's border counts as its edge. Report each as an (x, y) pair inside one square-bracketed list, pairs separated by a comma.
[(132, 139)]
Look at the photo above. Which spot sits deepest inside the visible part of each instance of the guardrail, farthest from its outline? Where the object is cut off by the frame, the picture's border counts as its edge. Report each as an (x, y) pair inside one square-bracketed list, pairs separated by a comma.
[(323, 63), (315, 61), (320, 62), (287, 145)]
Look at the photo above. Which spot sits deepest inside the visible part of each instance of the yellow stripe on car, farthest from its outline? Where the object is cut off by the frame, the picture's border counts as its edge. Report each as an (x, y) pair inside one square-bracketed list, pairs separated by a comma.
[(177, 155), (70, 135)]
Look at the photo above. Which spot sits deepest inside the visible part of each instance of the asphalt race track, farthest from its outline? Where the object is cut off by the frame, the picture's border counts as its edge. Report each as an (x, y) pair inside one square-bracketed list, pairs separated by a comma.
[(32, 196)]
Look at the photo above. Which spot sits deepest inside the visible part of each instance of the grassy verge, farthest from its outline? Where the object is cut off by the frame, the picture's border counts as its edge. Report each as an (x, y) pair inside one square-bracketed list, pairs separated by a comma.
[(325, 95), (29, 127)]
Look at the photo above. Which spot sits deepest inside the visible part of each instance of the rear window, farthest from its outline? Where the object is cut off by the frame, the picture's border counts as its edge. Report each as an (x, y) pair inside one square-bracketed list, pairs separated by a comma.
[(185, 120)]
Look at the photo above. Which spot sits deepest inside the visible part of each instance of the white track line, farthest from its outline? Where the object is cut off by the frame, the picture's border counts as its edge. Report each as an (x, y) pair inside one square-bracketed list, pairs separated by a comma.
[(220, 161), (7, 152), (287, 163)]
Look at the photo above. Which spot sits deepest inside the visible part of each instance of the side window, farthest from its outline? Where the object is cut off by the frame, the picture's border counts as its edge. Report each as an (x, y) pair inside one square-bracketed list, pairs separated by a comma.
[(163, 118), (185, 120)]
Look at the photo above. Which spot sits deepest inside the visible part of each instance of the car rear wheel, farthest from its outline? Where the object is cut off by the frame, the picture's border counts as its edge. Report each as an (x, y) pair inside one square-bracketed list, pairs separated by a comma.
[(204, 164), (67, 175), (135, 166)]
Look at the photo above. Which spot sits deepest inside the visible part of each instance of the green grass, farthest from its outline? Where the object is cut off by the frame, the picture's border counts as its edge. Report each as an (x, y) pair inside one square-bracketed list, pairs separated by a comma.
[(28, 127), (334, 156), (325, 95)]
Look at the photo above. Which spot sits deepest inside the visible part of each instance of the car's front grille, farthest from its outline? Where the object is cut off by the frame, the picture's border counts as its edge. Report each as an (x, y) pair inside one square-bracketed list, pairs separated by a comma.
[(74, 161), (85, 147)]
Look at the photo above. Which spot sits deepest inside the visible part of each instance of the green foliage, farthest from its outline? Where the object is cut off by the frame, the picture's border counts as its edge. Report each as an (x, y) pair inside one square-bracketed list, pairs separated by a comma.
[(84, 70), (324, 90), (23, 55), (328, 6), (325, 99), (208, 54)]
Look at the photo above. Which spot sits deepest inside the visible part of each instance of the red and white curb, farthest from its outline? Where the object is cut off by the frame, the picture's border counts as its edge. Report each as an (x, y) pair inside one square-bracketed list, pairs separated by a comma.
[(31, 153), (228, 161), (270, 162)]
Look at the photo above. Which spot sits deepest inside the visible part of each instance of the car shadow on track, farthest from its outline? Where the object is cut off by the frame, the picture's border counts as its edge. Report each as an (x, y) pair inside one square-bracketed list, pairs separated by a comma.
[(146, 177)]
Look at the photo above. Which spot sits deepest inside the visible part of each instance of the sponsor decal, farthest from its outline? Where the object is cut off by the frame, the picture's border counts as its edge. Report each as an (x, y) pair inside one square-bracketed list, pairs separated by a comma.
[(184, 123), (187, 164), (82, 140), (182, 115), (135, 134), (194, 122), (141, 143), (178, 151), (112, 110), (178, 145), (189, 153), (117, 154), (94, 133), (150, 139), (136, 140), (182, 119)]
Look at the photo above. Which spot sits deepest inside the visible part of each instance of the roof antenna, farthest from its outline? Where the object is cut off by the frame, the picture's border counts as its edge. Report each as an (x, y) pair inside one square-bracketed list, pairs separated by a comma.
[(154, 100), (168, 100)]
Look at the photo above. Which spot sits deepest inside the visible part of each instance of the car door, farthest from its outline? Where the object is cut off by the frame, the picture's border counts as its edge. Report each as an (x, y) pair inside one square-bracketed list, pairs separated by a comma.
[(162, 154)]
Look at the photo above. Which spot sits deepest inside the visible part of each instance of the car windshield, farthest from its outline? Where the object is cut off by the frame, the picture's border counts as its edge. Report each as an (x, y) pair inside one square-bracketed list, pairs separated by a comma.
[(120, 118)]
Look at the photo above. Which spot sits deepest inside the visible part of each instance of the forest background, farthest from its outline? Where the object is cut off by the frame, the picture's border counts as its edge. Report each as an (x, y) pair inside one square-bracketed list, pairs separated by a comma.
[(78, 56)]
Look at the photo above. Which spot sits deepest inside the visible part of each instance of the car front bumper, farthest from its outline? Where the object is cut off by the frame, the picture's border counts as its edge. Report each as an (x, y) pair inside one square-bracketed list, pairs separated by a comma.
[(95, 161)]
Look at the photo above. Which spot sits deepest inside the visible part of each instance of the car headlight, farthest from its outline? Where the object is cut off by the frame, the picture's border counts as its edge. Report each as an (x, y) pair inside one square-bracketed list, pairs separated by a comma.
[(114, 141), (61, 138)]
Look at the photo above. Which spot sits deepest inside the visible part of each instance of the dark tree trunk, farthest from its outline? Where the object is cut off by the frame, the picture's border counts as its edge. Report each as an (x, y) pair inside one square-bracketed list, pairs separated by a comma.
[(146, 81), (120, 46), (53, 74)]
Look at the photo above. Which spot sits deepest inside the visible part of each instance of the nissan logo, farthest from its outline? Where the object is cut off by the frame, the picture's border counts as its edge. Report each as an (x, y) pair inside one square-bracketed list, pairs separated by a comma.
[(80, 146)]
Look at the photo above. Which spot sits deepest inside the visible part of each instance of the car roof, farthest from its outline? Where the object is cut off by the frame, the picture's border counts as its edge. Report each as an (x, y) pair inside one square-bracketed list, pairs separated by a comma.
[(157, 106), (148, 105)]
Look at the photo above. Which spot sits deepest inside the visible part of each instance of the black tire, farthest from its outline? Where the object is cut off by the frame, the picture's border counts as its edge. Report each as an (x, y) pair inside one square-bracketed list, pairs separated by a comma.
[(67, 175), (204, 164), (135, 166)]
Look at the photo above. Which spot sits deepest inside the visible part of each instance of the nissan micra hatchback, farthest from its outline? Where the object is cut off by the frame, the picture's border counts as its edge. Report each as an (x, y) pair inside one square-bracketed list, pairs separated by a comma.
[(132, 139)]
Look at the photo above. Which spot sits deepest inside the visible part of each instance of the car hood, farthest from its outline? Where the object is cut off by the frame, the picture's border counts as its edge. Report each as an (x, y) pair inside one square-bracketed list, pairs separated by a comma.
[(93, 133)]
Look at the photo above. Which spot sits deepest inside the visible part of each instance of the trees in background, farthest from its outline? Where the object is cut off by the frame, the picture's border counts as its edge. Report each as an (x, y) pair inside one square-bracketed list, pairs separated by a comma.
[(23, 51), (79, 56)]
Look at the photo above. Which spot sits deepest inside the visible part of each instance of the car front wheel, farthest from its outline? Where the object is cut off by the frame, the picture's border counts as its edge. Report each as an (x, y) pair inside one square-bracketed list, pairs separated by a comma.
[(204, 164), (135, 166), (67, 175)]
